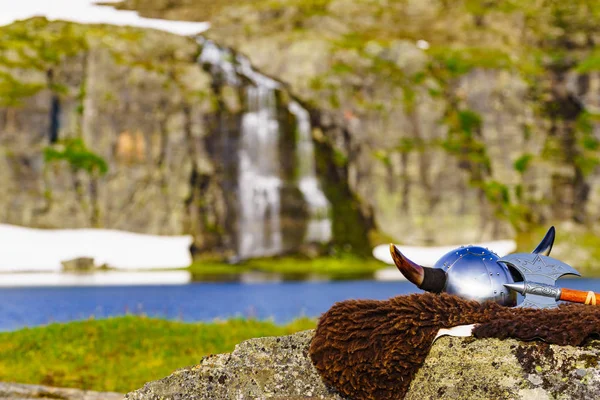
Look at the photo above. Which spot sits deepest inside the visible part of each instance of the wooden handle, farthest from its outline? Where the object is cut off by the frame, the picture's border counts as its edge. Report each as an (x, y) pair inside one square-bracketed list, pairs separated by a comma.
[(578, 296)]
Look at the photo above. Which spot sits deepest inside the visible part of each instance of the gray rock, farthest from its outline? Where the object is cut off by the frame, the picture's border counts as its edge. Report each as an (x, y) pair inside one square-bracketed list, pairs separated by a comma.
[(79, 264), (270, 367), (17, 391), (456, 368)]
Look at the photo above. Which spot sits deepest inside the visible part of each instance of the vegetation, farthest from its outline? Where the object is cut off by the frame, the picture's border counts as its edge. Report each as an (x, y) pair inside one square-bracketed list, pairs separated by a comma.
[(77, 155), (121, 354), (343, 266), (39, 47)]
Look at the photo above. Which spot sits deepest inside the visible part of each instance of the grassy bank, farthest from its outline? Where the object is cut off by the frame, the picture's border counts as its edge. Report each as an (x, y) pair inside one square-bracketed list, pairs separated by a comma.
[(341, 267), (121, 354)]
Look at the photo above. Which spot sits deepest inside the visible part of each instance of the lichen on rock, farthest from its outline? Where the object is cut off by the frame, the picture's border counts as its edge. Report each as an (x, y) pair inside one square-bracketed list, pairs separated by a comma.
[(270, 367), (456, 368), (459, 368)]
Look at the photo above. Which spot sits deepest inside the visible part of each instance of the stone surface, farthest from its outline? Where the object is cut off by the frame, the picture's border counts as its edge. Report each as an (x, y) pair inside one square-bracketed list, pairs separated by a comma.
[(79, 264), (459, 368), (17, 391), (456, 368), (271, 367)]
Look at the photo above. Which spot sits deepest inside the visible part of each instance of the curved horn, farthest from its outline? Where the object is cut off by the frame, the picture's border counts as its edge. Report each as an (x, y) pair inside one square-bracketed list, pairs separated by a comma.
[(428, 279), (545, 245), (411, 271)]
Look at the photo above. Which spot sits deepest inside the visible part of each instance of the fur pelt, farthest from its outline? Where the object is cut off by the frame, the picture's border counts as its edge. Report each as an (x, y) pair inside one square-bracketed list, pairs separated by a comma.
[(368, 349)]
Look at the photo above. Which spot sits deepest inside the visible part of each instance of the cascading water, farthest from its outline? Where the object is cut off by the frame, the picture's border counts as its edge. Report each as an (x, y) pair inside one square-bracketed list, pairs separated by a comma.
[(259, 183), (319, 224)]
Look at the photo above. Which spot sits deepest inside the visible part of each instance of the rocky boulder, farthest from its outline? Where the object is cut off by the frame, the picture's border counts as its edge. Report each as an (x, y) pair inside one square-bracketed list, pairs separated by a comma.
[(456, 368), (271, 367)]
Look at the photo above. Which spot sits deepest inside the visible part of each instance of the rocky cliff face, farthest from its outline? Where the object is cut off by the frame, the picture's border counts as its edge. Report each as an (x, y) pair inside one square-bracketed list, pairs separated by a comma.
[(454, 121), (447, 135), (456, 368), (137, 100), (432, 122), (125, 129)]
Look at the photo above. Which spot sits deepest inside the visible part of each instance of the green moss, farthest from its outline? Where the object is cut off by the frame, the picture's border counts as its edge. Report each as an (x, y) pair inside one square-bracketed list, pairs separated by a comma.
[(77, 155), (13, 91), (351, 227), (589, 64), (121, 354), (456, 62), (522, 163)]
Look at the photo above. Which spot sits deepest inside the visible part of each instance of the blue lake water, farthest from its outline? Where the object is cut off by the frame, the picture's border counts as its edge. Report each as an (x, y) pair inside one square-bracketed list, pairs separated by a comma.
[(22, 307)]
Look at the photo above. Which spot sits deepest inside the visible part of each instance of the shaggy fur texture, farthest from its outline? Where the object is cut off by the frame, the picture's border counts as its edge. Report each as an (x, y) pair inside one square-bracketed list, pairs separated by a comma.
[(369, 349)]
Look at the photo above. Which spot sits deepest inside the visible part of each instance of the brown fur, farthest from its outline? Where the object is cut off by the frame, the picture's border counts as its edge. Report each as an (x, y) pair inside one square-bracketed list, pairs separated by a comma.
[(370, 349)]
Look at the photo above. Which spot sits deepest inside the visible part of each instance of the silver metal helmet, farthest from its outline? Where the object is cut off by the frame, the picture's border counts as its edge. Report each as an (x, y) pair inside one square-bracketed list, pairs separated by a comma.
[(474, 272), (471, 272)]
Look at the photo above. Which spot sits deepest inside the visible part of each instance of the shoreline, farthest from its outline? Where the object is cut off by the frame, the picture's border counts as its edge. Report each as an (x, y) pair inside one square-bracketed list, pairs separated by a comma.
[(179, 277)]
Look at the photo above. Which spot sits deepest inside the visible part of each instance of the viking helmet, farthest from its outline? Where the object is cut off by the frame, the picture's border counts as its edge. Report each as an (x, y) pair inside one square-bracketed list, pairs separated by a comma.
[(471, 272)]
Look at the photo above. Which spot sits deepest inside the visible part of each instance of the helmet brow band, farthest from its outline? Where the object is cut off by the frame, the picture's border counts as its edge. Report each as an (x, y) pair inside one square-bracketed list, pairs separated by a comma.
[(434, 280)]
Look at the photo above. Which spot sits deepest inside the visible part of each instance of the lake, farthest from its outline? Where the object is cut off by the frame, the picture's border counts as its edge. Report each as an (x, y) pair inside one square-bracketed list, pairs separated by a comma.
[(34, 306)]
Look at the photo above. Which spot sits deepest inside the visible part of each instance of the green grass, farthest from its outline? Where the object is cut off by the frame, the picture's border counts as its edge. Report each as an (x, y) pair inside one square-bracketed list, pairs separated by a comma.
[(121, 354), (342, 267)]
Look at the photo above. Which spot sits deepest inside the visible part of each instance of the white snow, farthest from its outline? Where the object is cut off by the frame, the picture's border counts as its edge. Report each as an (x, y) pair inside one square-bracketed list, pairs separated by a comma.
[(101, 278), (28, 249), (87, 12), (427, 256)]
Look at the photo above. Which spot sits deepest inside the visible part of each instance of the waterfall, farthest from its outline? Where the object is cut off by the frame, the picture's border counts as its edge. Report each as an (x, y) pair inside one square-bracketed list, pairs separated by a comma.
[(259, 231), (319, 224), (259, 182)]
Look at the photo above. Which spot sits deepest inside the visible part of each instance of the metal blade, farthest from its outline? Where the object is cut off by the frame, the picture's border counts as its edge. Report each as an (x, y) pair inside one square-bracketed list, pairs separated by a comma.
[(537, 301), (538, 268), (517, 287)]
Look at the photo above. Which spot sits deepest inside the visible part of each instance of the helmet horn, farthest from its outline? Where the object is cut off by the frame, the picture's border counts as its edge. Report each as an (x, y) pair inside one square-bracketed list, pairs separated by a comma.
[(428, 279), (545, 245)]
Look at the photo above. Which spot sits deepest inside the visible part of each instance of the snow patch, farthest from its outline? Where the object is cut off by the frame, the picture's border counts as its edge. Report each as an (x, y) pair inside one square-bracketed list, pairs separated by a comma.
[(28, 249), (427, 256), (87, 12), (101, 278)]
